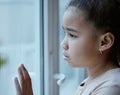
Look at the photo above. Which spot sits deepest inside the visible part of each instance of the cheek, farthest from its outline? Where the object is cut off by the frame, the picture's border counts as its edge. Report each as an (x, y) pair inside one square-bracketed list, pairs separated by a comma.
[(83, 49), (88, 47), (83, 46)]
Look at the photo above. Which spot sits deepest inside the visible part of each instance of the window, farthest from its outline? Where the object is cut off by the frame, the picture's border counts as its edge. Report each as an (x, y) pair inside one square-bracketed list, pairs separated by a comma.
[(21, 42), (31, 33)]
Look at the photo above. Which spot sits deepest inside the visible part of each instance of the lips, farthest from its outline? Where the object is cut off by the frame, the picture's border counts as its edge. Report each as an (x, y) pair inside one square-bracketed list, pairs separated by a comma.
[(65, 56)]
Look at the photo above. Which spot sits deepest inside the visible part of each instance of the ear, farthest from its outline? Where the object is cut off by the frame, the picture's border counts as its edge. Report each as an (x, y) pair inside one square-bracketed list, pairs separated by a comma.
[(106, 41)]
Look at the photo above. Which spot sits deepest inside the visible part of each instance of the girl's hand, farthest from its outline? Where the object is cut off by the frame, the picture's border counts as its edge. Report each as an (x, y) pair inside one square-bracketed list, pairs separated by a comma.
[(25, 85)]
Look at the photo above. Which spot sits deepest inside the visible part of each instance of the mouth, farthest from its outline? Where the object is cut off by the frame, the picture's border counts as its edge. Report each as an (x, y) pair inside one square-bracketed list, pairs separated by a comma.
[(65, 56)]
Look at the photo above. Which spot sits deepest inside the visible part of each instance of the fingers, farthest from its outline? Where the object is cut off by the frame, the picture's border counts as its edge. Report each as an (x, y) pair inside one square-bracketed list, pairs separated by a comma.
[(22, 79), (27, 78), (17, 86), (25, 73), (25, 81)]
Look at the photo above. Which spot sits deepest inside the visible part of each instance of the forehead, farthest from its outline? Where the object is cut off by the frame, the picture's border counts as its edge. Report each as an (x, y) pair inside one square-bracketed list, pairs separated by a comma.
[(76, 19)]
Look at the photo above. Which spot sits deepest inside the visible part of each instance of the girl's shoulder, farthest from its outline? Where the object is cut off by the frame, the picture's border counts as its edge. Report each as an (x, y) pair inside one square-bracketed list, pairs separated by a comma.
[(107, 84), (110, 79)]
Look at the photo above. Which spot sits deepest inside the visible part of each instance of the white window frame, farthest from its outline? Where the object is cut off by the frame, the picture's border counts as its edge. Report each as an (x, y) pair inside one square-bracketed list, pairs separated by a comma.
[(51, 46)]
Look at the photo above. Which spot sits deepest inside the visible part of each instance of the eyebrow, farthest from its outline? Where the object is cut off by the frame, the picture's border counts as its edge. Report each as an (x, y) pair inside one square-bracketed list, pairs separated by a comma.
[(69, 29)]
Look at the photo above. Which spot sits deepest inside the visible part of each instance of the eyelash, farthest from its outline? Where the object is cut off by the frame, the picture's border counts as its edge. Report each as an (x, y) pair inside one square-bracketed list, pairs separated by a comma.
[(71, 35)]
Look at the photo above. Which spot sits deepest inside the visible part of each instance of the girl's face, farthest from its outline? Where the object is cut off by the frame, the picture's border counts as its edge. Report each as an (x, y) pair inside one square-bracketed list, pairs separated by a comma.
[(80, 44)]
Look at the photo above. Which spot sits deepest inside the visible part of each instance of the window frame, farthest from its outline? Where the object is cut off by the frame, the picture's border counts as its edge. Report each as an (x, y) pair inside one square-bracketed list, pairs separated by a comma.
[(51, 46), (40, 23)]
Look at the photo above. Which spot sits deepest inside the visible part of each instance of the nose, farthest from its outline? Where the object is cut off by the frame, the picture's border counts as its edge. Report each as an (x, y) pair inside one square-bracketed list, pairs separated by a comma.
[(64, 44)]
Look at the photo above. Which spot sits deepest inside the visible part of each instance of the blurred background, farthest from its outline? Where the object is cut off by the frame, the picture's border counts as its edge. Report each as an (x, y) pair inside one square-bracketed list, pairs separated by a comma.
[(21, 41)]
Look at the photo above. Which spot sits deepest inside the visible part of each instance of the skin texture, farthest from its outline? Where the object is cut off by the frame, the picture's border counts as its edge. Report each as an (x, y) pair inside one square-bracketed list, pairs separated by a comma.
[(81, 48)]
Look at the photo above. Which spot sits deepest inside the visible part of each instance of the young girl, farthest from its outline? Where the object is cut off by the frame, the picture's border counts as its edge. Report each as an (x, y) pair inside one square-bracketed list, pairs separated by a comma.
[(92, 41)]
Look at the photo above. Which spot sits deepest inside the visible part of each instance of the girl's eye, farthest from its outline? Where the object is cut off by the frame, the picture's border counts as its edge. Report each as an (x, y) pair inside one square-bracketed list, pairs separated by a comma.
[(72, 36)]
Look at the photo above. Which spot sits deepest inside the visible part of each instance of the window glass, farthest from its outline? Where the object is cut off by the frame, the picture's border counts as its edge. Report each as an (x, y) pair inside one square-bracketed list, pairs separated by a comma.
[(19, 43)]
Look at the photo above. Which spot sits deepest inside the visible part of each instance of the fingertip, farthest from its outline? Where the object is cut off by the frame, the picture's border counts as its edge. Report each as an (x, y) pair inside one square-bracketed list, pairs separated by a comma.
[(15, 80), (22, 64), (23, 67)]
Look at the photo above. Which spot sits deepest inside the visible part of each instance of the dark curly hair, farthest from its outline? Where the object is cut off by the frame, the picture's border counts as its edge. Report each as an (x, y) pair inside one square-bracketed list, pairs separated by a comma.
[(105, 15)]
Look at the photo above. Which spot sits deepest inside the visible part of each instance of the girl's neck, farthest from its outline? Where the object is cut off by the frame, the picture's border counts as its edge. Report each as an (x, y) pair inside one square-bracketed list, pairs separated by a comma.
[(99, 69)]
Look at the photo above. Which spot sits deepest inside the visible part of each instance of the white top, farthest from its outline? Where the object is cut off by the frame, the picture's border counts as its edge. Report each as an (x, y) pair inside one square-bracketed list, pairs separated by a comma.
[(106, 84)]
